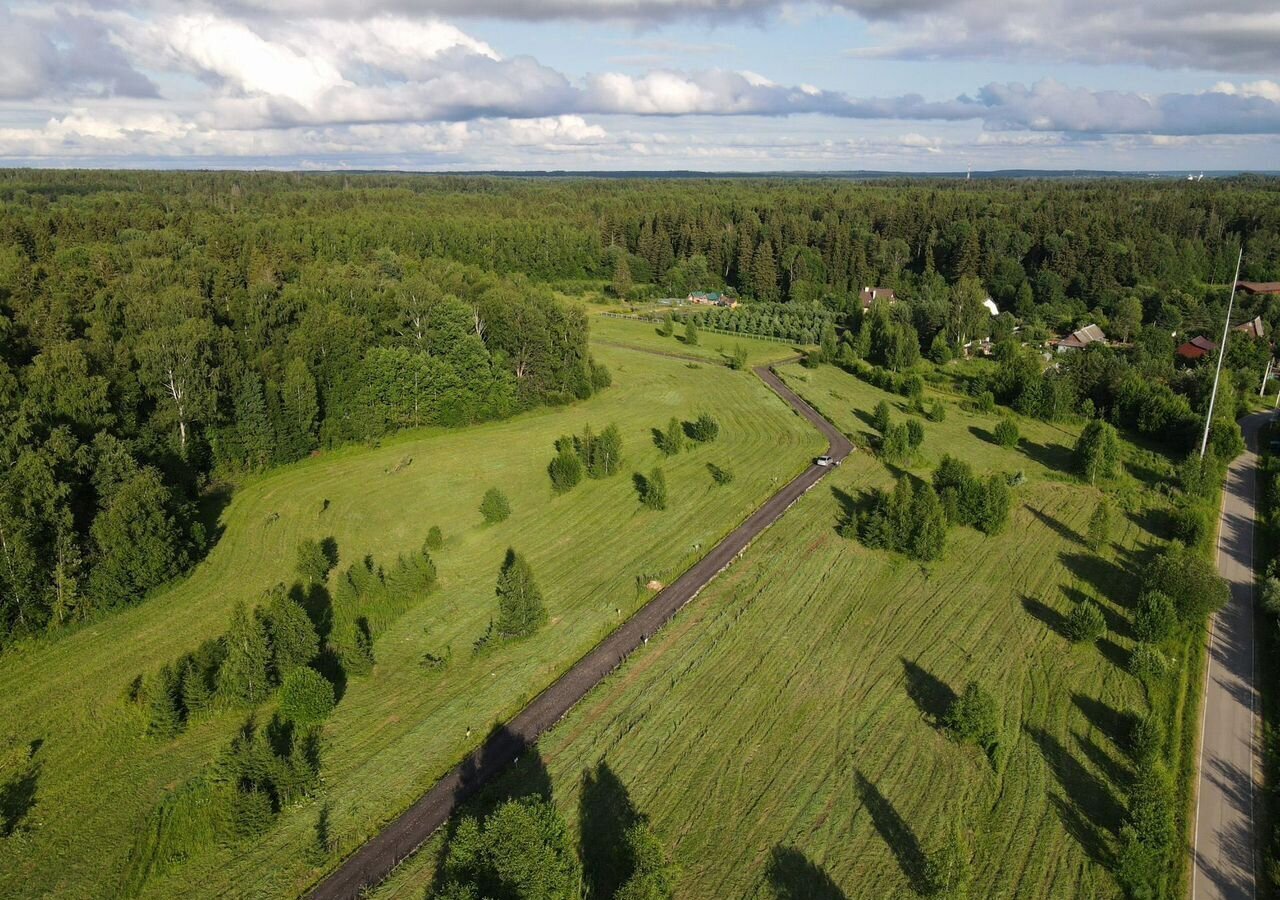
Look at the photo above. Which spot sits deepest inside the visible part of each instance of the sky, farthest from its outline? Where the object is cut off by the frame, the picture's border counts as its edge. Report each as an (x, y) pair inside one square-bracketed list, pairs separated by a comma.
[(710, 85)]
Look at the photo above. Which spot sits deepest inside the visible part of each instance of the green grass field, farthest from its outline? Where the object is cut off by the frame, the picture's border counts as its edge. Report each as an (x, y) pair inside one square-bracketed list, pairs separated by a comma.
[(712, 346), (781, 735), (395, 731)]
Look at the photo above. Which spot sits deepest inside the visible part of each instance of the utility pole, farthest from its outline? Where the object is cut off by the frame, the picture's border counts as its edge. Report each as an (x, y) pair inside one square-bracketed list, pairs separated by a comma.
[(1222, 351), (1262, 391)]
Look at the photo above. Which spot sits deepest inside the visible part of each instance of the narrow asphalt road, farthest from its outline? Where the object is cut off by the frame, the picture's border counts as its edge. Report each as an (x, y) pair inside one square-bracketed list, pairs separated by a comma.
[(1225, 854), (373, 862)]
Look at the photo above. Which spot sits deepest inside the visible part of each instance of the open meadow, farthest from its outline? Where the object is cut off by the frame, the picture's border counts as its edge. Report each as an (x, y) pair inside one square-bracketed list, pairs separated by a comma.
[(99, 778), (782, 735), (712, 346)]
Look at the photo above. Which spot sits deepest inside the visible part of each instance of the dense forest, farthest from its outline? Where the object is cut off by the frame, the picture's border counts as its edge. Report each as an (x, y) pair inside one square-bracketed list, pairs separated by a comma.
[(161, 334)]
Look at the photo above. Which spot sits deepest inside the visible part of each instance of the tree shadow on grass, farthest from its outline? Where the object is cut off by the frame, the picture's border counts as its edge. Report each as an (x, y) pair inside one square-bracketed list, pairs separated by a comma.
[(1114, 724), (931, 695), (1064, 531), (1056, 621), (1108, 579), (850, 506), (895, 832), (1112, 769), (1087, 807), (983, 434), (18, 794), (605, 814), (1153, 520), (209, 507), (793, 876), (1116, 623), (316, 601), (1051, 456)]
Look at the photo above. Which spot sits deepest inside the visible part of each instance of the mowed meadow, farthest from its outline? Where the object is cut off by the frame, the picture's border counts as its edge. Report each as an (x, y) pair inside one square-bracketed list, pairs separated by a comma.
[(98, 777), (782, 735)]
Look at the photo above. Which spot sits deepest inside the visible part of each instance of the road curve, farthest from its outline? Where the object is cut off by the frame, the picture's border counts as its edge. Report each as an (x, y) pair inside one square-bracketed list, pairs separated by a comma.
[(1225, 852), (373, 861)]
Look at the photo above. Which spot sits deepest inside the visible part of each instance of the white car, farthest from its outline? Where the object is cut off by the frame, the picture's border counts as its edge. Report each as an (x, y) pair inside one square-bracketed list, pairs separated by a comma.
[(824, 461)]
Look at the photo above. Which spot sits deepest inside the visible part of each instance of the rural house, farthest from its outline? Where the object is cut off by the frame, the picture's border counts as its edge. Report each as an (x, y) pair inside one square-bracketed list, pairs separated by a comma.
[(870, 295), (1197, 348), (1254, 327), (1081, 338)]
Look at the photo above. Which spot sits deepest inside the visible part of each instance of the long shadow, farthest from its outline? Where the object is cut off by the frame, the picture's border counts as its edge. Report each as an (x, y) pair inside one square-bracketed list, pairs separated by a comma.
[(209, 507), (895, 832), (1153, 521), (1057, 527), (1113, 723), (983, 434), (850, 507), (509, 768), (866, 418), (1056, 621), (1089, 809), (793, 876), (1112, 769), (316, 601), (931, 695), (18, 794), (1051, 456), (1117, 583), (605, 813)]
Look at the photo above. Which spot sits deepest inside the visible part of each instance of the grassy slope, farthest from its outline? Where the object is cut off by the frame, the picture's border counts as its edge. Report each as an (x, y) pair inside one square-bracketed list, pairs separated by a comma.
[(397, 730), (791, 707), (711, 345)]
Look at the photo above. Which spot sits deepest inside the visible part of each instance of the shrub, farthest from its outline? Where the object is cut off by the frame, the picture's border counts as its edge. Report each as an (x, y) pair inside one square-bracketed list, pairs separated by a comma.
[(719, 474), (1189, 580), (495, 507), (671, 441), (973, 717), (306, 697), (1147, 662), (1006, 432), (313, 562), (1271, 595), (915, 433), (1086, 622), (738, 359), (881, 417), (704, 429), (937, 411), (1146, 738), (691, 333), (896, 443), (1155, 618), (435, 538), (653, 489), (565, 468), (1193, 524), (986, 402), (1099, 526)]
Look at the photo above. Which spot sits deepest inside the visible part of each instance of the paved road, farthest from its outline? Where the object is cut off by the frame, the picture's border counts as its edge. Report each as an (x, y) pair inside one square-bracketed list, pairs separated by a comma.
[(1225, 857), (374, 861)]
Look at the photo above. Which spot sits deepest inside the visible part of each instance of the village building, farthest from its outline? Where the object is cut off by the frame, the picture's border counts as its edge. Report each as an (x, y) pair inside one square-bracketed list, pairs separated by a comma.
[(1254, 327), (1258, 287), (1081, 338), (712, 298), (1197, 348), (869, 295)]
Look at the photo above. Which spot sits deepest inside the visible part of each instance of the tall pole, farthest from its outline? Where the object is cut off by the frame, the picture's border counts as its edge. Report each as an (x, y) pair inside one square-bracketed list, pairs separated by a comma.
[(1262, 391), (1222, 351)]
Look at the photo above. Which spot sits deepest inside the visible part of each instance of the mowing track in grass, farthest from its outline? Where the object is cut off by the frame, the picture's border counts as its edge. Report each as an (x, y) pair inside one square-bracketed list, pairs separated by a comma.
[(375, 860)]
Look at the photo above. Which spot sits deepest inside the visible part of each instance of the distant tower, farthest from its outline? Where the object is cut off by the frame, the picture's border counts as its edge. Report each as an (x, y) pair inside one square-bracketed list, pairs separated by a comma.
[(968, 173)]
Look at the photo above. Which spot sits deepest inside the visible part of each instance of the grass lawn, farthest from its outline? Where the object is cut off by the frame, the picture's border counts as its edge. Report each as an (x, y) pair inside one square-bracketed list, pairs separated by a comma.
[(782, 736), (711, 345), (395, 731)]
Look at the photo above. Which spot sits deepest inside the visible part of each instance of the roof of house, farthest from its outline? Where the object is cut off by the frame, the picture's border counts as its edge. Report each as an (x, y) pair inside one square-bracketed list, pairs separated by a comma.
[(1196, 348), (706, 295), (871, 294), (1259, 287), (1083, 337), (1253, 328)]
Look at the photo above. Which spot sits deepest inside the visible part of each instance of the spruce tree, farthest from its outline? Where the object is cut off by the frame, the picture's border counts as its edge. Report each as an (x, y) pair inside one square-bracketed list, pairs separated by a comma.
[(520, 608), (161, 691), (294, 641), (672, 441), (313, 562), (197, 696), (653, 489), (691, 332), (1099, 526)]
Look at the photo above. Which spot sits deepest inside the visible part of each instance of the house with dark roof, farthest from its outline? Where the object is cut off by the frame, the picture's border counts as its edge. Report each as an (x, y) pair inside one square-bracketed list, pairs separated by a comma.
[(1197, 348), (1253, 328), (869, 295), (1081, 338)]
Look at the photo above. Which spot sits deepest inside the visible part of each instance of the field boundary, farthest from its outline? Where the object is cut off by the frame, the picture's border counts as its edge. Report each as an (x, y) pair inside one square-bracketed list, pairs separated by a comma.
[(373, 861)]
